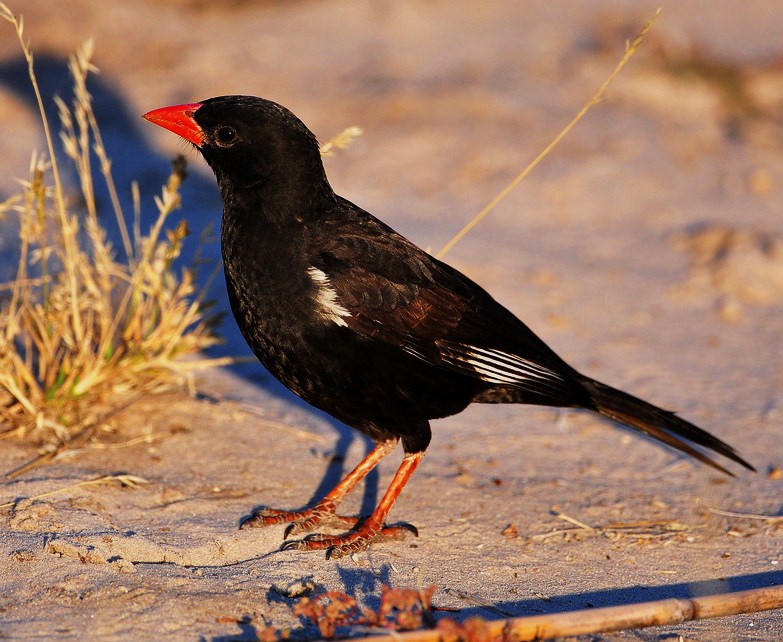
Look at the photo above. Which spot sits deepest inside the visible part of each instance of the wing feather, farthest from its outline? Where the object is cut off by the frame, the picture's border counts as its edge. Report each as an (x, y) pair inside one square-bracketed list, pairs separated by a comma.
[(396, 293)]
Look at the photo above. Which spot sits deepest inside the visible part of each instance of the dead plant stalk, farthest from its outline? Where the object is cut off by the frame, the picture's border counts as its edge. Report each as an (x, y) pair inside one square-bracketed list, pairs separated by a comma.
[(613, 618), (81, 329), (630, 50)]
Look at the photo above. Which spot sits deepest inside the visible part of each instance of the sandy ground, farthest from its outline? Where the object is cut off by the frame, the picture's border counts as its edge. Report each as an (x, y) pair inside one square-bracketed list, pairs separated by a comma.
[(647, 250)]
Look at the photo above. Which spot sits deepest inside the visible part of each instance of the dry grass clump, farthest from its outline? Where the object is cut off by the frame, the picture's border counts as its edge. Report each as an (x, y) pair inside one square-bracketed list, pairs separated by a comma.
[(83, 327)]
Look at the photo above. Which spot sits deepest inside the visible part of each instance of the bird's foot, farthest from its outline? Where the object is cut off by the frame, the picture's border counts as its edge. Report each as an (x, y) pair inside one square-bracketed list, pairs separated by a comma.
[(300, 521), (337, 546)]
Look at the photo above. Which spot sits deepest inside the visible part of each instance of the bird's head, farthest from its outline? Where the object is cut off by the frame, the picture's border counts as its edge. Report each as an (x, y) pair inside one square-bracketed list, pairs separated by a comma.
[(252, 144)]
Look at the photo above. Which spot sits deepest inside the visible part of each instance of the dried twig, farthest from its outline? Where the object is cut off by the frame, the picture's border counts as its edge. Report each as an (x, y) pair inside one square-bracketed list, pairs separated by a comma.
[(603, 620), (728, 513), (572, 520), (630, 50), (640, 529)]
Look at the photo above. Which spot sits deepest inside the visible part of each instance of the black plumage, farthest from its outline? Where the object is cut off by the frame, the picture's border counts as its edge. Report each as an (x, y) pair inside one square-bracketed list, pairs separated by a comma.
[(362, 323)]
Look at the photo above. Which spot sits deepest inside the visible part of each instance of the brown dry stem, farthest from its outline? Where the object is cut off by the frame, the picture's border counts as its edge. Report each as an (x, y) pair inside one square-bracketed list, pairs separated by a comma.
[(630, 50), (590, 621), (81, 330)]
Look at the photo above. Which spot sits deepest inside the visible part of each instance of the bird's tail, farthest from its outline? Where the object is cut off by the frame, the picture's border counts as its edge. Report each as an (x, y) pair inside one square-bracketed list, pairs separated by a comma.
[(660, 424)]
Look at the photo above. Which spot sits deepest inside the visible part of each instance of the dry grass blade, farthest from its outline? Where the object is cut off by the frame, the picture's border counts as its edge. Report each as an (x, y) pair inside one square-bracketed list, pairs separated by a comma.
[(127, 481), (80, 330), (638, 529), (630, 50), (728, 513), (341, 140), (571, 520)]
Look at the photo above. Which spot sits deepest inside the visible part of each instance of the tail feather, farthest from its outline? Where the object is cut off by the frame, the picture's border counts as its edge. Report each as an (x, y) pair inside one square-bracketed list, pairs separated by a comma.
[(661, 424)]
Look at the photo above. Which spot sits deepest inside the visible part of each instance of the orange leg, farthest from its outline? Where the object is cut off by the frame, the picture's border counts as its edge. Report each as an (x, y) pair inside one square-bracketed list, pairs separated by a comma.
[(325, 511), (372, 528)]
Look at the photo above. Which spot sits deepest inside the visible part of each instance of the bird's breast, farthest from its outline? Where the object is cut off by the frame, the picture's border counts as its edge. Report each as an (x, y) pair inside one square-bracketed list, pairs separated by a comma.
[(274, 291)]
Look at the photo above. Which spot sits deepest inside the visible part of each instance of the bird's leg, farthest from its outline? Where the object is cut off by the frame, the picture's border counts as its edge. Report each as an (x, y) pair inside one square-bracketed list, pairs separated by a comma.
[(325, 511), (371, 529)]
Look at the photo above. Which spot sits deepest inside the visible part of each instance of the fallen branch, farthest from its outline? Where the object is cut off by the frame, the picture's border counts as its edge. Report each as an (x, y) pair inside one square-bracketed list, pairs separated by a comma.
[(604, 620)]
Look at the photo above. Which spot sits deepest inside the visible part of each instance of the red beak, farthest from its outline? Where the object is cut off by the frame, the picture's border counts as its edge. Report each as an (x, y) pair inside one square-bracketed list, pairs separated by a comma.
[(178, 119)]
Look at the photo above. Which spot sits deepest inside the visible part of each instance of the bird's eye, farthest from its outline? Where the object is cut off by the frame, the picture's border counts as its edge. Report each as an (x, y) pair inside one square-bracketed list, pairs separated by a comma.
[(226, 136)]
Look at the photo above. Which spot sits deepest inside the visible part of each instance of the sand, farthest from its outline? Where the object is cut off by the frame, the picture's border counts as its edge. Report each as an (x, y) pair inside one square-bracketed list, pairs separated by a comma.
[(647, 250)]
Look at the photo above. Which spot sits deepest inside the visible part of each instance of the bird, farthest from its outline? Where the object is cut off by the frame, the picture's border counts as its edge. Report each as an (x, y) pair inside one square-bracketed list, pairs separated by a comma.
[(363, 324)]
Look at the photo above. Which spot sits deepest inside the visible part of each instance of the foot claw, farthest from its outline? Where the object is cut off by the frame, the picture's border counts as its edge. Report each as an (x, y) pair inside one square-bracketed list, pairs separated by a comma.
[(249, 522), (314, 542), (300, 521), (338, 546), (364, 531), (291, 545), (264, 517), (303, 526)]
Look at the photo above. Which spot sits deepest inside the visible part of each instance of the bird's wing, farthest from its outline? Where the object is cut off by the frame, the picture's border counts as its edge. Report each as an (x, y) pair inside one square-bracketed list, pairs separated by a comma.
[(391, 291), (387, 288)]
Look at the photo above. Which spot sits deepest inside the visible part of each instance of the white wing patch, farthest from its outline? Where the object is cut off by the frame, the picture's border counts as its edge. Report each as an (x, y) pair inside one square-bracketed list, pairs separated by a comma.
[(496, 366), (326, 298)]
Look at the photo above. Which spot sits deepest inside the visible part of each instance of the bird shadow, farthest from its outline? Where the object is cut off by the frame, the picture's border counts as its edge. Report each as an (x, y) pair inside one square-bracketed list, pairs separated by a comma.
[(335, 471), (135, 159)]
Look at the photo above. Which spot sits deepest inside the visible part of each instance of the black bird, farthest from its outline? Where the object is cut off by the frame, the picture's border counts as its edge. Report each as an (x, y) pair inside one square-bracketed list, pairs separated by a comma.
[(365, 325)]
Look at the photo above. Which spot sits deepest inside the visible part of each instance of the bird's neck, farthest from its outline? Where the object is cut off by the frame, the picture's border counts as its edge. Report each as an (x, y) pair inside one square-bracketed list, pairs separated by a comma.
[(277, 200)]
